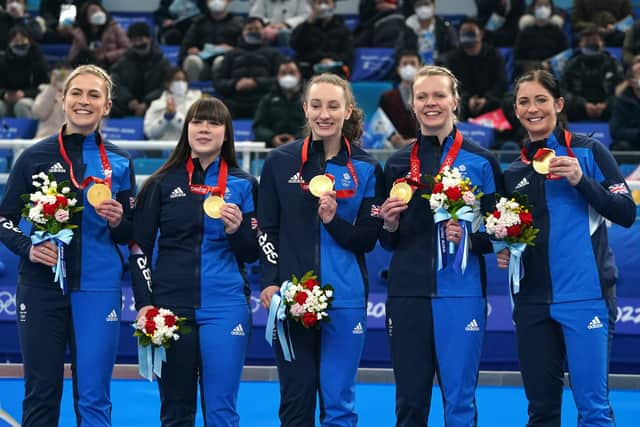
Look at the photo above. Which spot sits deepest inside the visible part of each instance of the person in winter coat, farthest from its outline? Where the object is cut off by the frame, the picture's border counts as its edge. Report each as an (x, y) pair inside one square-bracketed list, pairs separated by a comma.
[(625, 117)]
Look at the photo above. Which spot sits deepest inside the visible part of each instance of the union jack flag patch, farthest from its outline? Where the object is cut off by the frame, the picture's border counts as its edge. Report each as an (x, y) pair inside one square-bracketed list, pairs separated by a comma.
[(254, 223), (375, 211), (619, 188)]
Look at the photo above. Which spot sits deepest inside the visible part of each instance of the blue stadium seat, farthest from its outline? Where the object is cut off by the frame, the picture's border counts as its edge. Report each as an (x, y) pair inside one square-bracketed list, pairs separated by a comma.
[(205, 86), (55, 53), (147, 166), (129, 128), (4, 165), (481, 135), (367, 95), (242, 130), (595, 130), (125, 19), (372, 63), (507, 54), (627, 168), (11, 127), (171, 53), (616, 52), (287, 51)]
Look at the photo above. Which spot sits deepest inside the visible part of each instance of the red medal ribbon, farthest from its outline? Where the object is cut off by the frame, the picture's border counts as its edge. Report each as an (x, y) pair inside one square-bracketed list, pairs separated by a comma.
[(205, 189), (106, 166), (414, 162), (567, 138), (340, 194)]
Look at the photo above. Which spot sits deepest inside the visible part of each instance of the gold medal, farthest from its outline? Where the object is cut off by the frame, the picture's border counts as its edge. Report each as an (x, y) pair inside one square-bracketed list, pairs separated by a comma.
[(97, 194), (320, 184), (212, 206), (401, 190), (542, 159)]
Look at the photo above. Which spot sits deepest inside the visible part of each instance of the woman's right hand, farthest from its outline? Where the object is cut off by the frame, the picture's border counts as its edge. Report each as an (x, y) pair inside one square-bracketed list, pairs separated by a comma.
[(503, 258), (45, 253), (390, 212), (267, 294)]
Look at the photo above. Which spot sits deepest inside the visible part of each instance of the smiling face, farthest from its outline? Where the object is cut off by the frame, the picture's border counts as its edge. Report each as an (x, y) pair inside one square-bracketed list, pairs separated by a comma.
[(205, 139), (537, 109), (434, 104), (85, 103), (326, 110)]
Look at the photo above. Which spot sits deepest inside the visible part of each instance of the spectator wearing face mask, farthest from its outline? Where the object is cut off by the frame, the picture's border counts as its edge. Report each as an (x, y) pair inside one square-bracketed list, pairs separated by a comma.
[(322, 38), (428, 34), (174, 17), (15, 14), (481, 70), (625, 116), (165, 117), (247, 72), (589, 79), (50, 13), (396, 103), (22, 69), (208, 38), (541, 36), (97, 38), (279, 118), (47, 108), (138, 76), (604, 14)]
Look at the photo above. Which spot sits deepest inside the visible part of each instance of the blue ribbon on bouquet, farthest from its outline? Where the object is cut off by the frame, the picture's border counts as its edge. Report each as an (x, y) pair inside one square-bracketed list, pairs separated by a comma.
[(275, 320), (61, 238), (516, 267), (465, 216), (150, 360)]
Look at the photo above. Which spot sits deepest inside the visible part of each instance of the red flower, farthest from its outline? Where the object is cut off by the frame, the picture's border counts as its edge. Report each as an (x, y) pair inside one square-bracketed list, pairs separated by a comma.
[(301, 297), (453, 193), (151, 313), (169, 320), (526, 218), (61, 201), (49, 209), (437, 188), (514, 230), (496, 214), (309, 319), (150, 327), (310, 283)]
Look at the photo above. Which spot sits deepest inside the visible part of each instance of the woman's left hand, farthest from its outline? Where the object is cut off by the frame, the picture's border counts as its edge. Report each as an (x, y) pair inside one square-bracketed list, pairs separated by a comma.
[(112, 211), (231, 217), (568, 167), (327, 206), (454, 232)]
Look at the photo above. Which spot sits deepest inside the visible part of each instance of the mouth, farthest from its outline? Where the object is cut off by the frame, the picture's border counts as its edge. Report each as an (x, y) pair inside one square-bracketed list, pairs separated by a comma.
[(534, 119), (82, 112), (324, 125), (432, 113)]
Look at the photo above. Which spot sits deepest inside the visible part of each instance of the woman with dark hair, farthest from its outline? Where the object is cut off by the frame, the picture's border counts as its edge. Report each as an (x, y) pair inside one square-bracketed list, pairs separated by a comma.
[(203, 205), (566, 303), (329, 234), (97, 37)]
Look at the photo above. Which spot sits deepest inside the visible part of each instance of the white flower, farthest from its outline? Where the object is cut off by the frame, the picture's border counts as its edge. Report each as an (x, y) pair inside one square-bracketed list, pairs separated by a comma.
[(66, 190), (53, 184), (329, 293), (72, 202), (36, 184)]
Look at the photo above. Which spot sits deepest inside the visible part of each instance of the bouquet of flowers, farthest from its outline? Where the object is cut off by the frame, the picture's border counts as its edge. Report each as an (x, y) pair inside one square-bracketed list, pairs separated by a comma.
[(50, 209), (510, 225), (303, 300), (452, 197), (156, 330)]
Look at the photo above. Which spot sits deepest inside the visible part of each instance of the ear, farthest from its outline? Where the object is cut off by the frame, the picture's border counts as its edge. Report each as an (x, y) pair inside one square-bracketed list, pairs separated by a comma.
[(305, 107), (559, 105), (349, 111), (107, 108)]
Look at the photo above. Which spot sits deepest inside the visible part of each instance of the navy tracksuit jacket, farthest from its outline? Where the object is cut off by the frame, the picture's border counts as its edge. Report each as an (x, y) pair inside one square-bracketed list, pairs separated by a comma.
[(294, 240), (87, 317), (198, 273), (436, 319), (566, 302)]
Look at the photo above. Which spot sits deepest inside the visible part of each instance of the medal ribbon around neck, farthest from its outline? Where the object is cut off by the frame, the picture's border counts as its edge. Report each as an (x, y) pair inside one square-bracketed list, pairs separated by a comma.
[(340, 194), (106, 166), (567, 138), (205, 189)]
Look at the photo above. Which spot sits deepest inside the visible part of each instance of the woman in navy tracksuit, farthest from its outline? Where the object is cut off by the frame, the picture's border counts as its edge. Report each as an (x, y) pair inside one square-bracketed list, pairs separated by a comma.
[(329, 235), (565, 310), (199, 271), (436, 318), (87, 315)]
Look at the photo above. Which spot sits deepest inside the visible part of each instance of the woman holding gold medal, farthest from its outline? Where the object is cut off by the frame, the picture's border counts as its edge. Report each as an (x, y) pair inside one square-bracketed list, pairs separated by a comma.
[(83, 310), (203, 205), (566, 303), (435, 317), (319, 199)]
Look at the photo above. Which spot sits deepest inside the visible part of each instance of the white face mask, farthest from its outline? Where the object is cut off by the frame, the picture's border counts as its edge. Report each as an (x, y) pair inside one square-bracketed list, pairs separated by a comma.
[(407, 72), (326, 11), (288, 81), (217, 6), (178, 87), (98, 18), (424, 12), (15, 7), (542, 12)]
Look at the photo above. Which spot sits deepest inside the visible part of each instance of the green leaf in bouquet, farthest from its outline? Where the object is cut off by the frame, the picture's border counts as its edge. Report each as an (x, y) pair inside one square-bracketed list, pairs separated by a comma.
[(26, 198)]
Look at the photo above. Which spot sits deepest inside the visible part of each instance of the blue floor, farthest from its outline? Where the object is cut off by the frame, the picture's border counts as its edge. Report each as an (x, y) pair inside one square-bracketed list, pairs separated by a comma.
[(135, 403)]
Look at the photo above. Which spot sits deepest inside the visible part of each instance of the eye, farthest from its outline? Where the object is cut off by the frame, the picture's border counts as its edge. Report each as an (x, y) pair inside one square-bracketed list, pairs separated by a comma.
[(196, 121)]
